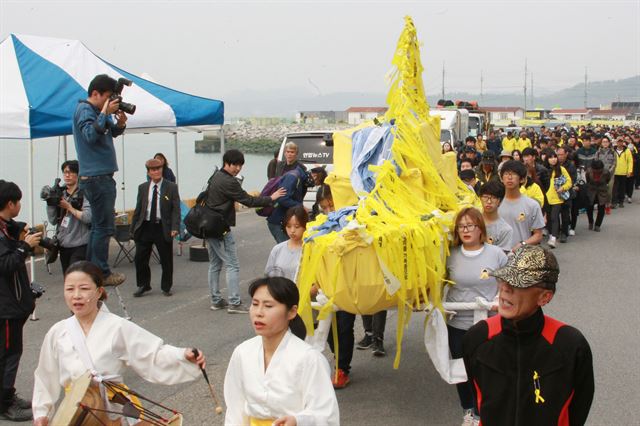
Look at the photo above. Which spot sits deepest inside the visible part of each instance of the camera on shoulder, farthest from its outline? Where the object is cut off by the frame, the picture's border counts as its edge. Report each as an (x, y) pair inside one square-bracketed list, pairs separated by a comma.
[(52, 195)]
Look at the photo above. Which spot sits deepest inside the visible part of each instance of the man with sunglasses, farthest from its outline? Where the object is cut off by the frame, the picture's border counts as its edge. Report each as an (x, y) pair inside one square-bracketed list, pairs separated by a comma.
[(528, 368)]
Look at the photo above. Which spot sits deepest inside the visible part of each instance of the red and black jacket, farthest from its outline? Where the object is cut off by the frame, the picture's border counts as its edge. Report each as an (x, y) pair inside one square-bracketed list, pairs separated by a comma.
[(507, 362)]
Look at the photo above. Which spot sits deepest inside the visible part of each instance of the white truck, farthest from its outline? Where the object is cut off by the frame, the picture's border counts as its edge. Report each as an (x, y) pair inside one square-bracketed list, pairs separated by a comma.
[(454, 125), (476, 124)]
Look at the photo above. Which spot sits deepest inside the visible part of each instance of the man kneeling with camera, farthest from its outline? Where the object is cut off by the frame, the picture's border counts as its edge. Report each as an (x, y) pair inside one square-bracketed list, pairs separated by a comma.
[(16, 299), (70, 211)]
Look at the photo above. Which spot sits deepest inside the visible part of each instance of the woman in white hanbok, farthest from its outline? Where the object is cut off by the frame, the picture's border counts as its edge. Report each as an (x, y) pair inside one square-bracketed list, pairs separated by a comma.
[(94, 340), (276, 378)]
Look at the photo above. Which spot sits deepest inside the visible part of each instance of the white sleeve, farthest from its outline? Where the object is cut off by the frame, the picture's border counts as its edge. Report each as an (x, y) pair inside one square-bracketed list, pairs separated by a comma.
[(319, 397), (272, 261), (150, 358), (234, 397), (46, 386)]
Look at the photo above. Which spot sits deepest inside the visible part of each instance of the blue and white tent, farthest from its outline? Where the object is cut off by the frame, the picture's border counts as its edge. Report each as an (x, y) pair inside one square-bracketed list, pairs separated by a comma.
[(42, 79)]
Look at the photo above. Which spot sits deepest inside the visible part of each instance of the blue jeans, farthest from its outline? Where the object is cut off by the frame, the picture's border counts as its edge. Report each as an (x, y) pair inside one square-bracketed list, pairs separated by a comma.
[(278, 233), (101, 194), (223, 250)]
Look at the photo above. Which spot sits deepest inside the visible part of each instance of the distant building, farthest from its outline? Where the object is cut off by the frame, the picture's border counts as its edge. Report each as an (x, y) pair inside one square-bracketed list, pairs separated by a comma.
[(321, 117), (502, 114), (570, 114), (358, 115), (613, 114), (537, 114)]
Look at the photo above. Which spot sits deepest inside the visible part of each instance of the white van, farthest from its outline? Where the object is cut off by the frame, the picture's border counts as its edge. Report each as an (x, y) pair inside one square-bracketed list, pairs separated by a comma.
[(315, 149)]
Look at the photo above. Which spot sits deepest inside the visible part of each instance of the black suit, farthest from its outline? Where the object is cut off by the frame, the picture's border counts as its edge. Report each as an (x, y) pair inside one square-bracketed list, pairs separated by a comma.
[(146, 233)]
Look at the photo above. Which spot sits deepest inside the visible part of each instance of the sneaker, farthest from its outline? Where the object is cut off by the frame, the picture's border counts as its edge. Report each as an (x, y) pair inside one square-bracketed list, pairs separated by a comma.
[(596, 228), (467, 418), (20, 402), (552, 241), (17, 414), (238, 309), (220, 304), (572, 232), (621, 205), (366, 342), (378, 348), (629, 200), (591, 227), (340, 380), (563, 238), (114, 280)]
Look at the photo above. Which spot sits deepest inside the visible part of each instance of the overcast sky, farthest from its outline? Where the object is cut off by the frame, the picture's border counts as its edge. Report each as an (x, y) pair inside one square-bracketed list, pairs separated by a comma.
[(218, 48)]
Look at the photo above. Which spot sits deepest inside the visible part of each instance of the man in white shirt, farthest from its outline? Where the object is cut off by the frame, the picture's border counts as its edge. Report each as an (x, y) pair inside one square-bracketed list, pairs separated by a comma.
[(156, 221)]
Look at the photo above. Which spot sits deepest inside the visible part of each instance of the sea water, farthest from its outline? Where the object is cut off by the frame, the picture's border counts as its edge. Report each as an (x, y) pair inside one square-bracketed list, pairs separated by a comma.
[(132, 151)]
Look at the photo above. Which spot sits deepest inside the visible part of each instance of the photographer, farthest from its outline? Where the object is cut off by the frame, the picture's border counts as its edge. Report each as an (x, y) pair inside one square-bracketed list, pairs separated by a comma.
[(16, 299), (93, 132), (71, 213)]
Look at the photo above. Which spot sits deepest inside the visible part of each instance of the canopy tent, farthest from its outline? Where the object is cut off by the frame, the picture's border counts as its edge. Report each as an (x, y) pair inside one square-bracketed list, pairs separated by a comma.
[(42, 79)]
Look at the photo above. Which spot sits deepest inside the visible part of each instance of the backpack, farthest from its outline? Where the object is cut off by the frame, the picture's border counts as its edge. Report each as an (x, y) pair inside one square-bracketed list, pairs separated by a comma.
[(272, 186), (203, 222)]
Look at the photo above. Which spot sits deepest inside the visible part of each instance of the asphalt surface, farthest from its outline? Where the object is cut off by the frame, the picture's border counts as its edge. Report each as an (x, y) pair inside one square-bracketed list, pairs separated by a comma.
[(598, 292)]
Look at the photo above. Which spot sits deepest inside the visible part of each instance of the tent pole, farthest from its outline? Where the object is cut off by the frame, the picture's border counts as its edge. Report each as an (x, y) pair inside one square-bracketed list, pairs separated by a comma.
[(32, 219), (123, 167), (64, 143), (222, 148), (175, 154)]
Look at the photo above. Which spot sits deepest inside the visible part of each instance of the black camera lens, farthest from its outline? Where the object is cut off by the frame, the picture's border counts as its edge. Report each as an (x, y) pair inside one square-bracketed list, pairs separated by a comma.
[(127, 107)]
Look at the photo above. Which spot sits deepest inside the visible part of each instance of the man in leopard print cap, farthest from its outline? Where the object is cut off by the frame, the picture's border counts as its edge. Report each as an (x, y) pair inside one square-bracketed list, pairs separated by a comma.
[(528, 368)]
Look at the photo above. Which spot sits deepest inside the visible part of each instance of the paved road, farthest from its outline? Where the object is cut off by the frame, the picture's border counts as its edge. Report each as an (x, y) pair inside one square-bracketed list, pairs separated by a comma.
[(598, 292)]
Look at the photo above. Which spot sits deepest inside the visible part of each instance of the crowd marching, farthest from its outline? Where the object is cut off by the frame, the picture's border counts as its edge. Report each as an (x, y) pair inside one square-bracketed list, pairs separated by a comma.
[(531, 184)]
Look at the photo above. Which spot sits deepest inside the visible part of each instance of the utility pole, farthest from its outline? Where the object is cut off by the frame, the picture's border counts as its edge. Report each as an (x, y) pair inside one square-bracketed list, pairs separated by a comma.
[(525, 85), (532, 102), (585, 87), (481, 82), (442, 80)]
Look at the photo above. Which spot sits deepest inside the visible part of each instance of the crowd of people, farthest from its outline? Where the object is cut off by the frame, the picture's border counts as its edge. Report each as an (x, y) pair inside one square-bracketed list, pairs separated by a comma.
[(529, 185), (568, 171)]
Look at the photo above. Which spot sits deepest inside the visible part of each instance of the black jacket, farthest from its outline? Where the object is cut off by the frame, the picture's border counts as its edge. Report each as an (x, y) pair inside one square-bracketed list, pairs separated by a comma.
[(16, 298), (169, 209), (224, 190), (501, 360)]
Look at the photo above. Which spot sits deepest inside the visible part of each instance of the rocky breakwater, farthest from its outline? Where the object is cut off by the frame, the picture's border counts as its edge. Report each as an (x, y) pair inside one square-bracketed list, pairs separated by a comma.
[(257, 138)]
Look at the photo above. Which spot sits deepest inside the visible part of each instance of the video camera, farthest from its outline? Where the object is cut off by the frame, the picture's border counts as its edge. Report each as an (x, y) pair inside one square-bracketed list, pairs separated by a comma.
[(117, 94), (52, 194)]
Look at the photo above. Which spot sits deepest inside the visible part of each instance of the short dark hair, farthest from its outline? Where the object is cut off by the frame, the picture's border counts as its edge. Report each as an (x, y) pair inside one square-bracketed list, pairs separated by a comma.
[(470, 139), (72, 165), (102, 83), (492, 188), (284, 291), (299, 212), (514, 166), (166, 163), (233, 157), (466, 160), (9, 192), (529, 151)]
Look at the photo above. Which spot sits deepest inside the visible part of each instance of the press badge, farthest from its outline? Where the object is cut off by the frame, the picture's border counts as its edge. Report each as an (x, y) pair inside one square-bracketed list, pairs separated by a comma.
[(65, 222)]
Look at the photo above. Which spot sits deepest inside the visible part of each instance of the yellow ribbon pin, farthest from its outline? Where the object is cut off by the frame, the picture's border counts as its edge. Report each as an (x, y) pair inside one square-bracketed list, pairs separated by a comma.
[(536, 388)]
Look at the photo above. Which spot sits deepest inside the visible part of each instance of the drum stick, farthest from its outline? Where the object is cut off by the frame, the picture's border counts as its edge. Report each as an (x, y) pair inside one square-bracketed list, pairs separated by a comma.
[(206, 378)]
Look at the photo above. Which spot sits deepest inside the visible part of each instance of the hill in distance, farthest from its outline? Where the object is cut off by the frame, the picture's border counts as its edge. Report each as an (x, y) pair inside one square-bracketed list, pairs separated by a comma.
[(286, 102)]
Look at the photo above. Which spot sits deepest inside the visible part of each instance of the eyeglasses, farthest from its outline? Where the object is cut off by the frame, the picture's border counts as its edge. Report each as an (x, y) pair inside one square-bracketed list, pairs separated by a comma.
[(467, 228), (489, 199)]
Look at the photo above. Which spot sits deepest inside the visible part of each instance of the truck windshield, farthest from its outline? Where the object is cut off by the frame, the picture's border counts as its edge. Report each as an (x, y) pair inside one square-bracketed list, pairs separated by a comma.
[(313, 149), (445, 136), (474, 126)]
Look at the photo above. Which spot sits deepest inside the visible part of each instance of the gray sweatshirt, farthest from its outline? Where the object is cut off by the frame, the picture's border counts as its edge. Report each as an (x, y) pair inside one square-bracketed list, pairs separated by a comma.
[(71, 232)]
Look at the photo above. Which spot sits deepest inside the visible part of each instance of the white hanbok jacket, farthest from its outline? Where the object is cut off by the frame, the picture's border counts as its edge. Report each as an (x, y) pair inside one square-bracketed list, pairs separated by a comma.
[(113, 344), (296, 383)]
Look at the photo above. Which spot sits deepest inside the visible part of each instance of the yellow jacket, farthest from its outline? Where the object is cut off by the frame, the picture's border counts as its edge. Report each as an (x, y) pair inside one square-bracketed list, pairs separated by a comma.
[(552, 195), (521, 144), (481, 146), (509, 144), (533, 191), (624, 165)]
